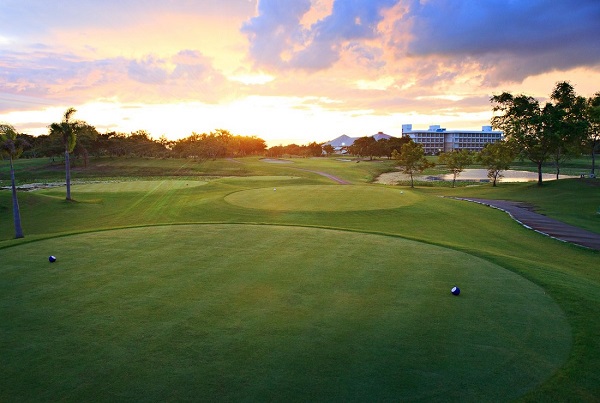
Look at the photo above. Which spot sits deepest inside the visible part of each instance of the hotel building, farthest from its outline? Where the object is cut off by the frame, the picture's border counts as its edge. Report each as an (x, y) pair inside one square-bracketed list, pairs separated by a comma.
[(437, 139)]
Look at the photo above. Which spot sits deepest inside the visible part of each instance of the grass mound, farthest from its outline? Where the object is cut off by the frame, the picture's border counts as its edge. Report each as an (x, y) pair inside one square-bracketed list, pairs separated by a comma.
[(267, 313), (322, 198)]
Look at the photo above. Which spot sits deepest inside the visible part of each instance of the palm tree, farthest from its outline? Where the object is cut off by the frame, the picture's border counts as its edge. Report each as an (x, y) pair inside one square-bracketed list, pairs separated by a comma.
[(68, 133), (13, 147)]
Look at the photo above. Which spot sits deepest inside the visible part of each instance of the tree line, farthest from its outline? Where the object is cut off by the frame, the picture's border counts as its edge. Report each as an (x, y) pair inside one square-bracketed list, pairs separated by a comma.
[(89, 142), (567, 125)]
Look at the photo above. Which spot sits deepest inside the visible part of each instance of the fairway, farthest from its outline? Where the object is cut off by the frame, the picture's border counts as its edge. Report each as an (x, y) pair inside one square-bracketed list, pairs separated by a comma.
[(322, 198), (246, 312), (136, 186)]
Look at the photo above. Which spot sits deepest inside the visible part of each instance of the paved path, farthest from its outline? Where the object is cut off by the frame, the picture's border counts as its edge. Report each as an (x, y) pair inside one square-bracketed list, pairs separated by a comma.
[(524, 214)]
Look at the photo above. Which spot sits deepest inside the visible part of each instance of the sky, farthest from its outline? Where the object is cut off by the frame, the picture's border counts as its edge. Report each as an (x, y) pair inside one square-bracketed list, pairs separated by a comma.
[(287, 71)]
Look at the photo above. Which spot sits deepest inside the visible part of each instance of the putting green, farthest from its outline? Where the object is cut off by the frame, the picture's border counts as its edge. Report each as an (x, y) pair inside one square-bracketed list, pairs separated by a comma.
[(264, 178), (322, 198), (135, 186), (243, 312)]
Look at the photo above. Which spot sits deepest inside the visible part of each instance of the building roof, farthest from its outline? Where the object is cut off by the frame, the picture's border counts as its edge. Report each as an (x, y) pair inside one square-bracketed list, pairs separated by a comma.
[(408, 129), (342, 141), (381, 135), (345, 141)]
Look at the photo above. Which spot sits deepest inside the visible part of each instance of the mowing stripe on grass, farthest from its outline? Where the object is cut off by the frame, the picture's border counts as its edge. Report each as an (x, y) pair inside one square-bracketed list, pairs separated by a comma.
[(136, 186)]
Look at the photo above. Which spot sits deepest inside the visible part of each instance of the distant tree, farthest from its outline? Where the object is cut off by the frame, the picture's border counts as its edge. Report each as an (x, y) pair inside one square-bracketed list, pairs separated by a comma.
[(329, 149), (380, 147), (497, 157), (395, 143), (214, 145), (411, 160), (363, 147), (542, 133), (592, 140), (12, 146), (275, 151), (457, 161), (565, 123), (165, 143), (292, 149), (30, 150), (86, 139), (251, 145), (67, 131), (521, 120), (313, 149)]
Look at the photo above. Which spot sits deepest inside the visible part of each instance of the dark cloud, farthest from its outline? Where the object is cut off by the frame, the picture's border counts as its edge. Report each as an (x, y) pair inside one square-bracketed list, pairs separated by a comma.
[(277, 39), (275, 30), (365, 55), (354, 19), (513, 38), (509, 39)]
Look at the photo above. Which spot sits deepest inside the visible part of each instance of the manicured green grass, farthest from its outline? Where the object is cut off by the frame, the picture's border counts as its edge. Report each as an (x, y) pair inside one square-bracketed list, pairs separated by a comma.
[(567, 274), (43, 169), (135, 186), (239, 312), (321, 198), (575, 201)]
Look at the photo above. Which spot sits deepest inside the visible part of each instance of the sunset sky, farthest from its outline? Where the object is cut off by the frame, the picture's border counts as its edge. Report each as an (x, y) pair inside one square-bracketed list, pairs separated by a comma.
[(286, 70)]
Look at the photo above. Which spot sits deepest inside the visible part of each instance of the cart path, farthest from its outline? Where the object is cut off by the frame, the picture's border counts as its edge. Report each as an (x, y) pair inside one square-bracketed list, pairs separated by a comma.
[(523, 213)]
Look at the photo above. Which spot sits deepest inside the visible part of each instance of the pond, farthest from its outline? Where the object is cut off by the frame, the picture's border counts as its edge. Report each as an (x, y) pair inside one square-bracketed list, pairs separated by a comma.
[(471, 175)]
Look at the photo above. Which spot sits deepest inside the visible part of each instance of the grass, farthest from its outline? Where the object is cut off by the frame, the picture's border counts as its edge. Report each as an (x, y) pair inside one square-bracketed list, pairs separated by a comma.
[(576, 201), (321, 198), (446, 230), (256, 314)]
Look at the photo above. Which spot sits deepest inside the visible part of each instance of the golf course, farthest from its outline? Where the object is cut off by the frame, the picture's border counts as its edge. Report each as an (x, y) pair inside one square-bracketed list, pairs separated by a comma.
[(246, 280)]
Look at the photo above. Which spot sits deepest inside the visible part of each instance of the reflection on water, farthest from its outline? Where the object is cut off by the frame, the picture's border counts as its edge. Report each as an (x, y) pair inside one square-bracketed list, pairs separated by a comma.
[(479, 175)]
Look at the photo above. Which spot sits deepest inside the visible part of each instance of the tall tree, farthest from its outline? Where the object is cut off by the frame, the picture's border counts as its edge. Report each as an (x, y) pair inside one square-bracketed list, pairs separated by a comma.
[(497, 157), (313, 149), (86, 140), (12, 146), (592, 140), (411, 160), (565, 122), (67, 130), (395, 143), (456, 161), (542, 133), (521, 120), (363, 147)]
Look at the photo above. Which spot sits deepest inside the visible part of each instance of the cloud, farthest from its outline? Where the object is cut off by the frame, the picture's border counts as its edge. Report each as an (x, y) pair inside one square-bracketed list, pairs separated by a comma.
[(52, 76), (275, 30), (277, 38), (150, 70), (509, 40), (513, 39)]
